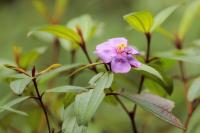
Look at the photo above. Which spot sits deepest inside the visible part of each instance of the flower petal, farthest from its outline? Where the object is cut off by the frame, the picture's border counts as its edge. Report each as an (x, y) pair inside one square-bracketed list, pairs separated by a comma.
[(133, 62), (131, 50), (105, 52), (114, 42), (120, 64)]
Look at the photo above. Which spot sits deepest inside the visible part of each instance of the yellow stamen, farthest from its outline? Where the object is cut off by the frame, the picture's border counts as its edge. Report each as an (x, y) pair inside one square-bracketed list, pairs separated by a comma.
[(121, 47)]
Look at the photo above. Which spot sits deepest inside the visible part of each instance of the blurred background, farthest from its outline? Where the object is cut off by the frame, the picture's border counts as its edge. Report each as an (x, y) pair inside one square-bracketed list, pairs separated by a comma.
[(18, 17)]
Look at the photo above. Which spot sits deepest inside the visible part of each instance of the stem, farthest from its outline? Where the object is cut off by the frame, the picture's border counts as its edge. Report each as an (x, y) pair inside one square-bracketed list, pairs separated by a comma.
[(148, 37), (179, 45), (41, 104), (130, 114), (147, 59), (84, 48)]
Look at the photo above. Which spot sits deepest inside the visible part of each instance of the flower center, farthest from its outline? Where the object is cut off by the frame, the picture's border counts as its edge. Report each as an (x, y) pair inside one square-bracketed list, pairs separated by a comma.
[(120, 47)]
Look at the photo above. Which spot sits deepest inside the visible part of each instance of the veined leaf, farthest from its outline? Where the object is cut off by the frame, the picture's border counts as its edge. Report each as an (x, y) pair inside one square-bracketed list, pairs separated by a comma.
[(141, 21), (61, 32), (87, 103), (160, 107), (67, 89), (19, 85), (188, 17), (162, 16), (194, 90)]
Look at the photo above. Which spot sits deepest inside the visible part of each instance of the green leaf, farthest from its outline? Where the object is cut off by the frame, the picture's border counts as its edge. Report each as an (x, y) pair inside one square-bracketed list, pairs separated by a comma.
[(19, 85), (49, 75), (87, 103), (154, 87), (149, 70), (14, 111), (8, 105), (188, 17), (141, 21), (162, 16), (61, 32), (194, 90), (160, 107), (70, 124), (186, 55), (28, 59), (95, 78), (68, 89)]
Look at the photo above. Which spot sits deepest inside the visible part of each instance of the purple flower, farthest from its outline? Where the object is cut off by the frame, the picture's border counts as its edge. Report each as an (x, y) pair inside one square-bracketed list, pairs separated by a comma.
[(118, 54)]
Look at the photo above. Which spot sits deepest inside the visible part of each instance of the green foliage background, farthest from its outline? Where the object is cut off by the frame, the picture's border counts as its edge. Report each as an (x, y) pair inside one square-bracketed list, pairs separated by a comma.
[(18, 17)]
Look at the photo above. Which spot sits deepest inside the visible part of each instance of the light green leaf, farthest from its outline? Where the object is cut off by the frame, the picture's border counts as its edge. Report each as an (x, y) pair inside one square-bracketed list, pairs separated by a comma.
[(8, 105), (141, 21), (19, 85), (194, 90), (94, 79), (162, 16), (69, 121), (188, 17), (149, 70), (68, 89), (186, 55), (160, 107), (87, 103), (61, 32)]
